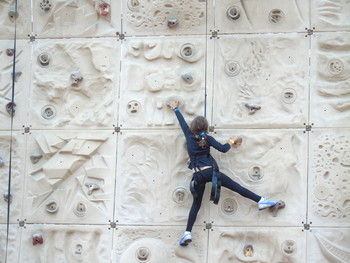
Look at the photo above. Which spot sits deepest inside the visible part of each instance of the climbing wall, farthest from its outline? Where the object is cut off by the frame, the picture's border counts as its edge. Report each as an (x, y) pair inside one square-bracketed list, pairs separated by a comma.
[(97, 164)]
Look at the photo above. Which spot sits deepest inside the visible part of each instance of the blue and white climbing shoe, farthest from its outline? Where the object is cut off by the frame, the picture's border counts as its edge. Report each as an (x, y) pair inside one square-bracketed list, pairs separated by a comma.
[(264, 203), (186, 239)]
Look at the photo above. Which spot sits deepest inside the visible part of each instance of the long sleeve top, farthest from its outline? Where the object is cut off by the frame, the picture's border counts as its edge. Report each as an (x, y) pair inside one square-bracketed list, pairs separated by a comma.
[(194, 150)]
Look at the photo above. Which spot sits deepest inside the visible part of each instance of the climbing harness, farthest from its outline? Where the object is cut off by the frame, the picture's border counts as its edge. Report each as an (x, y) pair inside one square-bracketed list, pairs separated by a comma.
[(215, 180)]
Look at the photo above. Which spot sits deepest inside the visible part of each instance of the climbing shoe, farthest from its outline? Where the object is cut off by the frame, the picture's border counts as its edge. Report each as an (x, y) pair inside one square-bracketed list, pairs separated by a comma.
[(264, 203), (186, 239)]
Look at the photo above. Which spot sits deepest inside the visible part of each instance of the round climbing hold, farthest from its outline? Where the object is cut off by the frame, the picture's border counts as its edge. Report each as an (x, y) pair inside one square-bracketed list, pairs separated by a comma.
[(187, 51), (44, 59), (179, 195), (229, 206), (48, 112), (143, 254), (289, 95), (133, 5), (256, 173), (321, 191), (276, 16), (45, 6), (51, 206), (289, 247), (187, 77), (232, 68), (133, 107), (335, 66), (233, 13)]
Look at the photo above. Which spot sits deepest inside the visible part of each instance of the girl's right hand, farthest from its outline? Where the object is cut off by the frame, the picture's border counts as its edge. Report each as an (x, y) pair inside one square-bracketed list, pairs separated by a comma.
[(235, 141)]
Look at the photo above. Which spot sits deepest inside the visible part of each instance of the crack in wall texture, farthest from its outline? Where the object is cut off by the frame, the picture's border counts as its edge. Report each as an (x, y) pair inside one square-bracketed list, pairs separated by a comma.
[(98, 163)]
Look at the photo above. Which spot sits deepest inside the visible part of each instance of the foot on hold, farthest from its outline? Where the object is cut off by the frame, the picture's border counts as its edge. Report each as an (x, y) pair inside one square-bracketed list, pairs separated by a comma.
[(186, 239), (280, 204), (265, 203)]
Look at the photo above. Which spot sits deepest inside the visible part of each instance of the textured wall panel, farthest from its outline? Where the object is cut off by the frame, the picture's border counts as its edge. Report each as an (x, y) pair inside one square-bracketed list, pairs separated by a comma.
[(17, 171), (13, 243), (330, 82), (70, 177), (149, 195), (88, 18), (159, 17), (66, 243), (150, 244), (234, 16), (329, 184), (328, 245), (251, 90), (257, 245), (22, 79), (156, 70), (271, 163), (330, 15), (74, 83), (8, 16)]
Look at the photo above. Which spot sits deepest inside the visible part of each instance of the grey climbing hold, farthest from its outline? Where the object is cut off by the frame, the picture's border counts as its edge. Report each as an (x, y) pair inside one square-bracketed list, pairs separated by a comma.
[(233, 13), (252, 107), (6, 197), (35, 157), (10, 108), (232, 68), (48, 112), (172, 22), (13, 14), (44, 59), (45, 6), (17, 75), (76, 77), (187, 77), (91, 187)]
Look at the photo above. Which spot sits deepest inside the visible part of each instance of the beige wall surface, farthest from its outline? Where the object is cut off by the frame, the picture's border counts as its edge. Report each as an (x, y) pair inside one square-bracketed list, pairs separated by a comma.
[(97, 163)]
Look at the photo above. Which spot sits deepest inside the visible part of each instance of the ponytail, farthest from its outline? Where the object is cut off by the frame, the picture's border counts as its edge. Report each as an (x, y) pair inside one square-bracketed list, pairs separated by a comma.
[(202, 140)]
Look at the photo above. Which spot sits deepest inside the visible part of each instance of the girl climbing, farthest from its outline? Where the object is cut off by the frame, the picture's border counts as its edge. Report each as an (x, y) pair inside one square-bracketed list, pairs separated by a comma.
[(205, 169)]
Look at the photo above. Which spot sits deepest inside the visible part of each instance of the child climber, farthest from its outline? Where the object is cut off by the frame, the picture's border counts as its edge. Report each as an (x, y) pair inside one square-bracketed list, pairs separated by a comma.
[(205, 169)]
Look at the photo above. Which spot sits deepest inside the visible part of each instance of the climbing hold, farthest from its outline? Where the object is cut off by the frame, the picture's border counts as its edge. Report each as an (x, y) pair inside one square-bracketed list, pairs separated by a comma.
[(289, 247), (289, 95), (252, 107), (51, 206), (172, 22), (179, 195), (78, 249), (133, 107), (142, 254), (80, 209), (233, 13), (10, 108), (187, 51), (1, 162), (232, 68), (187, 77), (17, 75), (335, 66), (76, 78), (6, 197), (133, 5), (37, 239), (45, 6), (48, 112), (321, 191), (91, 187), (104, 9), (13, 14), (10, 52), (276, 16), (44, 59), (35, 157), (256, 173), (248, 250), (229, 206)]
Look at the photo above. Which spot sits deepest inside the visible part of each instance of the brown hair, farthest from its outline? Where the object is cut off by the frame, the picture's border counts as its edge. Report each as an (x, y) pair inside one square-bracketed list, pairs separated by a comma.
[(199, 126)]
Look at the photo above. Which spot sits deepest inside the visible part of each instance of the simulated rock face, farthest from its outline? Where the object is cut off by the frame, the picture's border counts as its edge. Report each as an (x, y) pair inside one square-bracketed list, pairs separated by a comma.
[(98, 163)]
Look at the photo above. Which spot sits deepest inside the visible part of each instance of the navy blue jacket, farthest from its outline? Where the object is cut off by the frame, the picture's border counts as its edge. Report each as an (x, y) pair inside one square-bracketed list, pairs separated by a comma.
[(194, 150)]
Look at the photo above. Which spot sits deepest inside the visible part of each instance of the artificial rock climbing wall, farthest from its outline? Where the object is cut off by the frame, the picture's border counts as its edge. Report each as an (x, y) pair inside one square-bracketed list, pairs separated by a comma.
[(98, 164)]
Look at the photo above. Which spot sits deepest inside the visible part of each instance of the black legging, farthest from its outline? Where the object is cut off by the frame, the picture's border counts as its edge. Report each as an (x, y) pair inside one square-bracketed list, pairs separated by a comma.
[(204, 177)]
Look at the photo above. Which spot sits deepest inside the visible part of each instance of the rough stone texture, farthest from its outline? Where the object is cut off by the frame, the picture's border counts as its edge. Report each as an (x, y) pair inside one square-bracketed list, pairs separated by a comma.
[(99, 164)]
